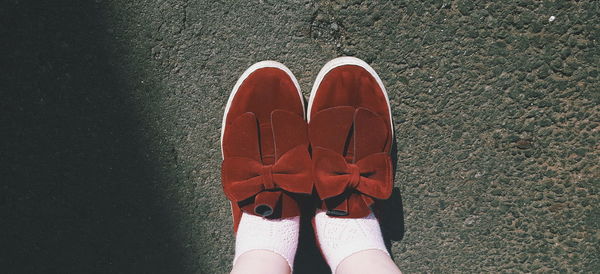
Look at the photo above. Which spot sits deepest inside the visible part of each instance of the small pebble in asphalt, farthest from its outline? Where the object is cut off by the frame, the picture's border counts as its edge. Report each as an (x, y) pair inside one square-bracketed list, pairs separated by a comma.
[(524, 144)]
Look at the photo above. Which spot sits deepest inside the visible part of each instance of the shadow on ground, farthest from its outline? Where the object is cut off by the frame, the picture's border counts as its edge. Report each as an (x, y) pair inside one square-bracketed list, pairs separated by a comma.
[(78, 191)]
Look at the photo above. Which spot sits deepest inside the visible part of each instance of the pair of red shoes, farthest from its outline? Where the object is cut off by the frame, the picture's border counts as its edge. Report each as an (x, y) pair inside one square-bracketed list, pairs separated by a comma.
[(272, 155)]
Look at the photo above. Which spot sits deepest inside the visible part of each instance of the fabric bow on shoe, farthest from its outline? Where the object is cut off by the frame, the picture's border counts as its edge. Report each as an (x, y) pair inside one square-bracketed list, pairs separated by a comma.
[(245, 178), (266, 189), (351, 163), (368, 178)]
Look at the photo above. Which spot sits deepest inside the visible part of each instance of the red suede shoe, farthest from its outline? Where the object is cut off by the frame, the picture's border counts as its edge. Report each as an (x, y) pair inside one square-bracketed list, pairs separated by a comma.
[(350, 131), (264, 143)]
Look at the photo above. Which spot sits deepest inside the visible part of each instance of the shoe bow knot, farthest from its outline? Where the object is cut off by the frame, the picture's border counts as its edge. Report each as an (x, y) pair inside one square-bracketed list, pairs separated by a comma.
[(265, 189), (351, 161), (245, 178), (369, 177)]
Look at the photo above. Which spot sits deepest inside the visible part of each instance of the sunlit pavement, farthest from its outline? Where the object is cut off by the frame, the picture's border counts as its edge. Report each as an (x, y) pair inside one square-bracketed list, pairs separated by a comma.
[(112, 114)]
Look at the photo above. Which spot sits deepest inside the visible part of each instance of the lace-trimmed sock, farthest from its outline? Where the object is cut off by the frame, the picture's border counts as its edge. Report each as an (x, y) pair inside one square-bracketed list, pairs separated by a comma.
[(279, 236), (342, 237)]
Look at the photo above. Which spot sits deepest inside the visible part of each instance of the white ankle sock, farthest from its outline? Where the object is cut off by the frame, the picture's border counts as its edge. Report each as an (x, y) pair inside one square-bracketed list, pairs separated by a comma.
[(279, 236), (342, 237)]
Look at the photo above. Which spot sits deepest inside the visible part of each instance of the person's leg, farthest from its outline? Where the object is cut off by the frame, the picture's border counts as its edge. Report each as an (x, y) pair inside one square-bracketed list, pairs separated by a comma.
[(353, 245), (260, 262), (264, 245), (368, 261)]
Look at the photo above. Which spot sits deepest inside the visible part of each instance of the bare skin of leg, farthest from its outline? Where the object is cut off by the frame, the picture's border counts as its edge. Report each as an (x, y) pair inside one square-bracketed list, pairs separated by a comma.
[(368, 261), (260, 262)]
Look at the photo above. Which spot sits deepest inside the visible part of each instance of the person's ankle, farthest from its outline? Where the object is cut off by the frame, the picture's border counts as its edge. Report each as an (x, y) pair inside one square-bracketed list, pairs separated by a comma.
[(340, 238), (279, 236), (378, 262), (259, 262)]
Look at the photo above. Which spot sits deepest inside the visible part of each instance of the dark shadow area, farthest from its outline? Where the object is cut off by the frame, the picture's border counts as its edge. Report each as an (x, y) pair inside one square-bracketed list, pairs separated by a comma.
[(390, 212), (308, 257), (78, 190), (391, 219)]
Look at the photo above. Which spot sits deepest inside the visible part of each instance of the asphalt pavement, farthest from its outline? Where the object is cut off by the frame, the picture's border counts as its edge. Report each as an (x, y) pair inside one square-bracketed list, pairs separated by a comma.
[(111, 116)]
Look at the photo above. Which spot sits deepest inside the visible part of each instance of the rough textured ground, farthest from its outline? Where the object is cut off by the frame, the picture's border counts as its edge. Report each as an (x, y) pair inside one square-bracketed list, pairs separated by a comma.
[(111, 112)]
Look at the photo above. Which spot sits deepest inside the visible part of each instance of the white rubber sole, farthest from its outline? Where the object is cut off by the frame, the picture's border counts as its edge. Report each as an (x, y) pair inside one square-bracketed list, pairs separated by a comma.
[(341, 61), (250, 70)]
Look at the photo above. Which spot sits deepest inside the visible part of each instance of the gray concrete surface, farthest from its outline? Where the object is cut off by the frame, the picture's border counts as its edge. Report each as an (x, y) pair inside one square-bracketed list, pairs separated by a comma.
[(112, 111)]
